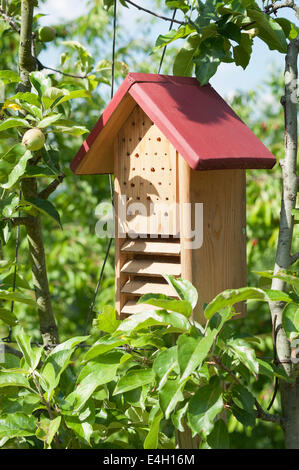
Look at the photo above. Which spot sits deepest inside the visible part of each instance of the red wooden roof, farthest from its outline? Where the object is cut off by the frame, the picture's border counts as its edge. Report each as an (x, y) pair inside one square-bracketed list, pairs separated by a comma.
[(195, 119)]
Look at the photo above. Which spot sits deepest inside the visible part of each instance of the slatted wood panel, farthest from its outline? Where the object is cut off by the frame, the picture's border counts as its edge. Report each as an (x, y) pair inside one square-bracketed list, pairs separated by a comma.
[(151, 247), (131, 308), (147, 267), (139, 288)]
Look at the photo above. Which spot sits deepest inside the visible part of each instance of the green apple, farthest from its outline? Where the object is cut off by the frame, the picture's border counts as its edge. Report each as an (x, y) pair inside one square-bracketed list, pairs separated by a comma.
[(34, 139), (46, 34)]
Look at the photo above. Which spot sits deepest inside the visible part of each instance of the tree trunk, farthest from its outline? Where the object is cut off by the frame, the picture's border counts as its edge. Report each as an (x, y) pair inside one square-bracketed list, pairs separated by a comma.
[(48, 325), (289, 392)]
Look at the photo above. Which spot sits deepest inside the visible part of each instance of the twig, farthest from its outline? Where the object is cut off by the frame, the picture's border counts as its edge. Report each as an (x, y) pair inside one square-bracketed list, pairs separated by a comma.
[(165, 18), (9, 20), (45, 193), (10, 350), (272, 8), (42, 66), (294, 258), (46, 403), (18, 221), (260, 413)]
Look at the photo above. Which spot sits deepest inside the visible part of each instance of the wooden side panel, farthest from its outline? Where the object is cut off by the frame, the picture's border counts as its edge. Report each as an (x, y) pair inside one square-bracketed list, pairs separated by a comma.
[(221, 261)]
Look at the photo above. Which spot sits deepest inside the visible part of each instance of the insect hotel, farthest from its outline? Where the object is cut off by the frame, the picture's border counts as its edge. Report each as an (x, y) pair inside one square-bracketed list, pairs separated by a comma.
[(178, 154)]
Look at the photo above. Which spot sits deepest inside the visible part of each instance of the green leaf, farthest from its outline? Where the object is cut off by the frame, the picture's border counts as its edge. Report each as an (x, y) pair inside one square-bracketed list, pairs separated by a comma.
[(47, 428), (211, 52), (97, 372), (165, 362), (219, 437), (13, 379), (290, 320), (31, 355), (151, 440), (40, 82), (17, 171), (17, 425), (72, 95), (244, 353), (82, 423), (192, 352), (170, 395), (12, 123), (178, 417), (8, 76), (290, 278), (203, 408), (107, 321), (39, 172), (289, 28), (74, 130), (232, 296), (57, 361), (183, 64), (17, 297), (181, 4), (270, 30), (104, 344), (49, 120), (7, 317), (45, 207), (242, 52), (162, 301), (30, 98), (134, 379), (165, 39), (184, 288)]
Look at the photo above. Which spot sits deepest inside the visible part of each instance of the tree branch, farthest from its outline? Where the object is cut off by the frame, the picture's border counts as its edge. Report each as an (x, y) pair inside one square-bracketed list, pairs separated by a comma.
[(48, 326), (294, 258), (273, 7), (9, 350), (9, 20), (260, 413), (42, 66), (45, 193), (18, 221), (161, 17)]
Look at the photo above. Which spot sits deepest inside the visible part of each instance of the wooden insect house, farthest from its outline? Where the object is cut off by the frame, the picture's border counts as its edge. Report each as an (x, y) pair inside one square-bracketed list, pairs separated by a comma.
[(178, 154)]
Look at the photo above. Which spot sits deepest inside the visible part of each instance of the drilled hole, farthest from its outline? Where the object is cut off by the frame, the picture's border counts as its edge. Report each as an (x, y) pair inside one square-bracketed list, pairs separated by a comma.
[(137, 155), (128, 154), (153, 169), (159, 139), (133, 123)]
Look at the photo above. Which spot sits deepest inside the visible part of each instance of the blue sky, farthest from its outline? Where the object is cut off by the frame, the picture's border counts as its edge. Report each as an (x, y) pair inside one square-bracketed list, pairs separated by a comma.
[(228, 78)]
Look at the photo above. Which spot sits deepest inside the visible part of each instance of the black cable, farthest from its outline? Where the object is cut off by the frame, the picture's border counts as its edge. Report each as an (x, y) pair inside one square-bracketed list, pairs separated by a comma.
[(165, 47), (110, 177)]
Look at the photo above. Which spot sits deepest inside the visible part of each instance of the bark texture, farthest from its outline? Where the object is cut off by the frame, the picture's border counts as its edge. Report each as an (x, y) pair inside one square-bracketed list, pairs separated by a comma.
[(48, 325), (289, 392)]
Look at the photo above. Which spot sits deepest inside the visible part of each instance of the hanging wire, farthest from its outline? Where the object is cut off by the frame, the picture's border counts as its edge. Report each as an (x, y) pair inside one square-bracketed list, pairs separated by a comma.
[(165, 47), (89, 315)]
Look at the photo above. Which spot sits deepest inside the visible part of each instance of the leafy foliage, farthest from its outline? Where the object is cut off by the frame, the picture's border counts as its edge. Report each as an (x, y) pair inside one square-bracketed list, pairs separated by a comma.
[(131, 384)]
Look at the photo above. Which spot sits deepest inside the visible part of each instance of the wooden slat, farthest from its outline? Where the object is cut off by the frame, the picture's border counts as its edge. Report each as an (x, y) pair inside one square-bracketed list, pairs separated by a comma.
[(141, 288), (151, 268), (151, 247), (131, 307)]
